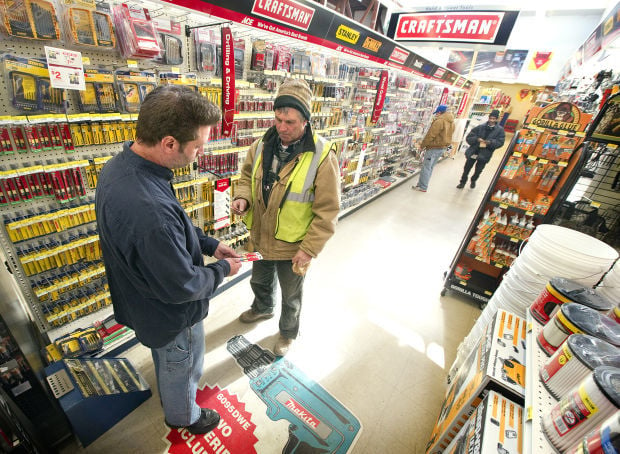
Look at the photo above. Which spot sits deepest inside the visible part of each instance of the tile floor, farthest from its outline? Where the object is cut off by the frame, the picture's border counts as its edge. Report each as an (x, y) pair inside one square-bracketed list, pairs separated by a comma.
[(375, 332)]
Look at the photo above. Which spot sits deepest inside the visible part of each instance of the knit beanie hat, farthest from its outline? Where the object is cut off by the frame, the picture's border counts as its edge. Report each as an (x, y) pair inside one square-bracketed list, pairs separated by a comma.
[(294, 93), (441, 109), (494, 113)]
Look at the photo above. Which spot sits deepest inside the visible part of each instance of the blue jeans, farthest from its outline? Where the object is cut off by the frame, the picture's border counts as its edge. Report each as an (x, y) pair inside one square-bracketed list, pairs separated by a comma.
[(178, 368), (431, 156), (265, 273)]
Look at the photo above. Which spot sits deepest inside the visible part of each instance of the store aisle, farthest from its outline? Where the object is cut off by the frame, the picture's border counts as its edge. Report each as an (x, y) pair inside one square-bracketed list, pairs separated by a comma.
[(375, 332)]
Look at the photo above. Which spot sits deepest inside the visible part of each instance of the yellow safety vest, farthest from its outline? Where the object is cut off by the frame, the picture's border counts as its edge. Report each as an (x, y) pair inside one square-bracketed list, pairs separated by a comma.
[(295, 211)]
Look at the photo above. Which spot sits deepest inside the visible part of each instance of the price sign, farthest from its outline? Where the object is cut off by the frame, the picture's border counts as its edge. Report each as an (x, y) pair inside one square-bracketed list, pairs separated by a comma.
[(65, 68)]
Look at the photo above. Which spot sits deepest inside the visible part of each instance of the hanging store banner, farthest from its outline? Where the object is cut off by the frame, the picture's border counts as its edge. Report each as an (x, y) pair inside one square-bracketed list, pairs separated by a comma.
[(309, 22), (444, 97), (562, 116), (483, 27), (610, 27), (228, 82), (355, 39), (540, 61), (288, 12), (462, 104), (380, 98), (500, 65), (592, 45)]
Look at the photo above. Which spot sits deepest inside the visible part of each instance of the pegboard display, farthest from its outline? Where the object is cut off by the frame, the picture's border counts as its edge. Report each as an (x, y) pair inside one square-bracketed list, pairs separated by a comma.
[(538, 401), (49, 161), (593, 205)]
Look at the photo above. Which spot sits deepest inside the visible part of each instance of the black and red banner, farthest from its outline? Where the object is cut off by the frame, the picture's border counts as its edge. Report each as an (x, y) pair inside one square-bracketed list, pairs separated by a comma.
[(382, 86), (228, 82), (483, 27), (444, 97), (310, 22)]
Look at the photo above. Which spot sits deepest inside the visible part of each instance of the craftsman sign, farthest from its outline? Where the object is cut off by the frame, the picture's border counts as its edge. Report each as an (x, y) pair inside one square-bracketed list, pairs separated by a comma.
[(228, 82), (347, 34), (485, 27), (286, 12)]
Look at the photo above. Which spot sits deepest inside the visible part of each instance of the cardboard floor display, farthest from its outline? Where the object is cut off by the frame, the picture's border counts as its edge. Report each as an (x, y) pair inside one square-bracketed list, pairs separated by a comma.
[(496, 426), (496, 364)]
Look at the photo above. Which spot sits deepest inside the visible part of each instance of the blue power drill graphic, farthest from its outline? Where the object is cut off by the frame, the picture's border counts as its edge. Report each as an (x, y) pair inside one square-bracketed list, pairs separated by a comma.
[(319, 423)]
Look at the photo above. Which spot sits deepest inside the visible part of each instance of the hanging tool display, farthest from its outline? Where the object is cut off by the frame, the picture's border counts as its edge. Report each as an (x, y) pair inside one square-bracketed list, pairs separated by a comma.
[(34, 19), (30, 87), (89, 24)]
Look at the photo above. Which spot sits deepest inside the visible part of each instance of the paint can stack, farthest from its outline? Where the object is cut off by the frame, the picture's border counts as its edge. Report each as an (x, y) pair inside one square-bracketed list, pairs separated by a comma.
[(584, 408), (559, 291), (573, 318), (604, 440), (551, 251), (576, 358)]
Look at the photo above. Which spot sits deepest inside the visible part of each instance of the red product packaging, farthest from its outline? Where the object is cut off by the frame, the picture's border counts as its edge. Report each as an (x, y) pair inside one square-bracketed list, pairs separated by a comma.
[(5, 141), (19, 139)]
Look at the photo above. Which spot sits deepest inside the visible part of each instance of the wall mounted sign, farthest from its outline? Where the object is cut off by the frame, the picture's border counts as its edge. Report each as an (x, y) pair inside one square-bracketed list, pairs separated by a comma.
[(228, 82), (562, 116), (287, 12), (380, 98), (484, 27), (309, 22)]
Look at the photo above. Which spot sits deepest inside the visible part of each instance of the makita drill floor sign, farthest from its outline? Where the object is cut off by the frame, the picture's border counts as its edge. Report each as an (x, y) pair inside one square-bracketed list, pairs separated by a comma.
[(318, 423)]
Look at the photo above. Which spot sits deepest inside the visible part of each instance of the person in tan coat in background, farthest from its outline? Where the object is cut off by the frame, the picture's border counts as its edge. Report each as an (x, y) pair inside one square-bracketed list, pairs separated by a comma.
[(436, 140), (289, 193)]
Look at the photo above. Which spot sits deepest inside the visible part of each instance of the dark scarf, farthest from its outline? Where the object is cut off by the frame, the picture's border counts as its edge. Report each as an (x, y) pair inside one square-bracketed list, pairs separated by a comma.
[(276, 156)]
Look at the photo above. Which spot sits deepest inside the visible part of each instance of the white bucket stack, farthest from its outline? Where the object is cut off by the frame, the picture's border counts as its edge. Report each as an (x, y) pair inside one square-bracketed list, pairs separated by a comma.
[(610, 285), (551, 251)]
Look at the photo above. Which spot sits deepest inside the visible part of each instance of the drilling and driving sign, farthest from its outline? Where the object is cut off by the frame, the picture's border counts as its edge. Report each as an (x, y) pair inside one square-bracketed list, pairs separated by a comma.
[(228, 82)]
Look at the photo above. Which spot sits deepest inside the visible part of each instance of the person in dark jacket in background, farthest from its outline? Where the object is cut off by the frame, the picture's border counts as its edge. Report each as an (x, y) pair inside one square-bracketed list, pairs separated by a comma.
[(435, 142), (153, 255), (483, 140)]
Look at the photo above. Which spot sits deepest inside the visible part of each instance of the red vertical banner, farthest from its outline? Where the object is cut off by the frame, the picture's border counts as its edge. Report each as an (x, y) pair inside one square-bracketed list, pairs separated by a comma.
[(228, 82), (380, 98), (462, 104), (444, 97)]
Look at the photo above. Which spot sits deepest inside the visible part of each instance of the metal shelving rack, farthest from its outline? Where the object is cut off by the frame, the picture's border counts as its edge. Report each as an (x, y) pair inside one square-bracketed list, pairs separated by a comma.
[(113, 60), (538, 401)]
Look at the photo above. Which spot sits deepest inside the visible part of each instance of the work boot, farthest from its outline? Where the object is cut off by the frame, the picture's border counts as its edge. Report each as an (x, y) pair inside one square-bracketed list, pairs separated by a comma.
[(250, 316), (207, 421), (282, 345)]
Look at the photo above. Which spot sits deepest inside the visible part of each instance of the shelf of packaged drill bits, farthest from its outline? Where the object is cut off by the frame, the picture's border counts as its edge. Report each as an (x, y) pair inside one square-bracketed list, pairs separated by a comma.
[(111, 384), (54, 141)]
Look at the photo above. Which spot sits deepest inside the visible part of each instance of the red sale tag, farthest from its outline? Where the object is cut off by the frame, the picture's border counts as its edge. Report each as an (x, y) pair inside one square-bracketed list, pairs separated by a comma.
[(234, 433)]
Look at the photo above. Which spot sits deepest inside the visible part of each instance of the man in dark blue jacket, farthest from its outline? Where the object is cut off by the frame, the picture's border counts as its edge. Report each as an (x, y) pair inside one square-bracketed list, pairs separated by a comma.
[(153, 255), (483, 140)]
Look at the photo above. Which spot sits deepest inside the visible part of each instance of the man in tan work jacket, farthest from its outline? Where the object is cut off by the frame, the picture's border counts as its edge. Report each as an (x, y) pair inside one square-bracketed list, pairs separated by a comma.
[(289, 192), (435, 142)]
